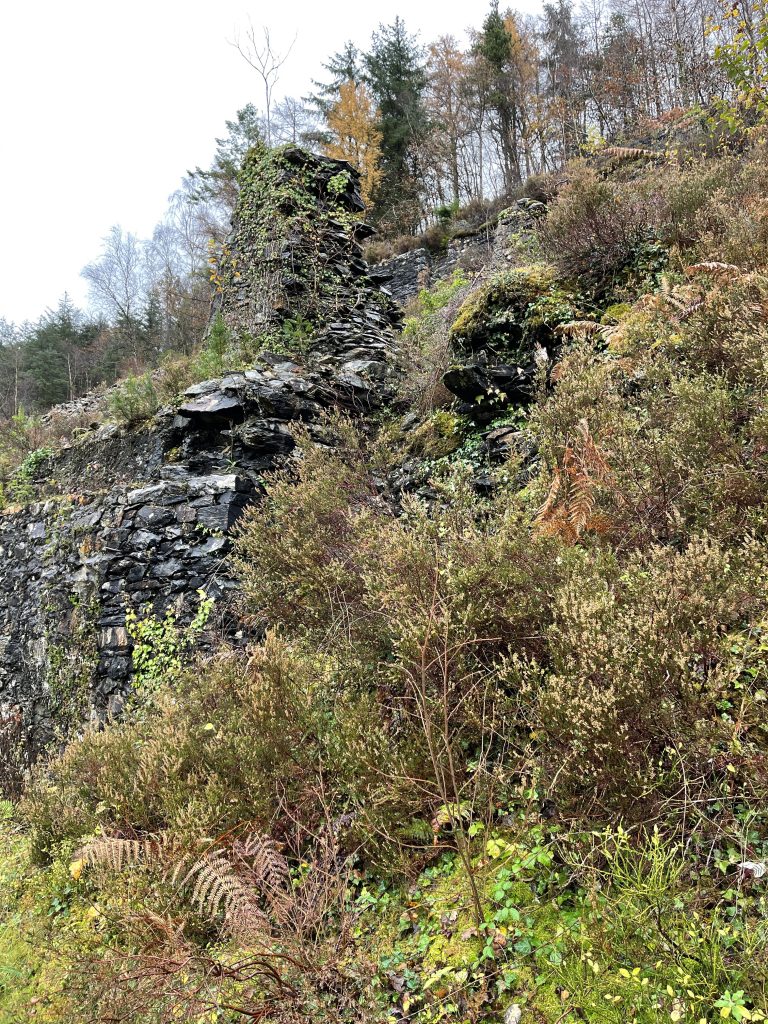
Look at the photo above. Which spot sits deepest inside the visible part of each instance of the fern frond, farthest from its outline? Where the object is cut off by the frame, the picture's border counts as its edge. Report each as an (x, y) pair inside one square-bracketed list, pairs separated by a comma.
[(550, 501), (713, 267), (117, 853), (690, 309), (581, 502), (579, 329), (630, 153), (569, 508), (218, 890), (592, 458), (267, 862)]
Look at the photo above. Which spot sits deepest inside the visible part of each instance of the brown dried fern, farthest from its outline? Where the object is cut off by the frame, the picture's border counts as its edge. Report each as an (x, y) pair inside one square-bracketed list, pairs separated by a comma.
[(579, 329), (117, 854), (230, 883), (713, 268), (569, 508)]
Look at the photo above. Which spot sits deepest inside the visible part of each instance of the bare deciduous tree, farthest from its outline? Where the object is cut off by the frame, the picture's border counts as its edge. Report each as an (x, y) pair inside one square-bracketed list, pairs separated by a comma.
[(266, 62), (116, 278), (118, 284)]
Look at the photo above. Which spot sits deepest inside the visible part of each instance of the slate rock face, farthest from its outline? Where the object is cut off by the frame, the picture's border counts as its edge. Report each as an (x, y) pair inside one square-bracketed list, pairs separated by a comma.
[(405, 275), (143, 519), (293, 268), (483, 389)]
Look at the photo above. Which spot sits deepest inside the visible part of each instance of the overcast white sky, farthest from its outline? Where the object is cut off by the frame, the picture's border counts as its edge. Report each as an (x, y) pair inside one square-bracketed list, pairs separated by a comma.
[(105, 105)]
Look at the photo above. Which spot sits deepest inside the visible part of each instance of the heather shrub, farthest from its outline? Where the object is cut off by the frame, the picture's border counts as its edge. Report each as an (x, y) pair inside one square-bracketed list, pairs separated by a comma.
[(672, 410), (213, 751), (723, 327), (715, 209), (602, 233), (627, 706), (692, 198), (300, 554), (324, 555)]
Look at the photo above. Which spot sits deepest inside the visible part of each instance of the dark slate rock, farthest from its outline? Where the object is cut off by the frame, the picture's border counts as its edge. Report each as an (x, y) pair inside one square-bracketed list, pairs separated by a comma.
[(154, 516), (267, 436), (215, 409)]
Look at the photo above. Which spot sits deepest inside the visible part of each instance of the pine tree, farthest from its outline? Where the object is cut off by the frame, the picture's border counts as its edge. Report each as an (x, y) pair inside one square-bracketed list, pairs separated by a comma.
[(56, 358)]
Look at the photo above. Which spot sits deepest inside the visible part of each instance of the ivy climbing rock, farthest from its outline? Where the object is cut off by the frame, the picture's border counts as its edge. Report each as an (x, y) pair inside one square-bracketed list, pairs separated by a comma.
[(293, 277)]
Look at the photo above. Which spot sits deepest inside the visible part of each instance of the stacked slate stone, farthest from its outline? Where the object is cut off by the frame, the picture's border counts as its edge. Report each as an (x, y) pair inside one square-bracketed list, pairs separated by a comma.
[(148, 525), (420, 268), (69, 570), (294, 274)]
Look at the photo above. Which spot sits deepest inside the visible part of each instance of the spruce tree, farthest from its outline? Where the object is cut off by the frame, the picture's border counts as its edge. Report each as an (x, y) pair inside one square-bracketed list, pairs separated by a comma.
[(395, 72), (343, 67)]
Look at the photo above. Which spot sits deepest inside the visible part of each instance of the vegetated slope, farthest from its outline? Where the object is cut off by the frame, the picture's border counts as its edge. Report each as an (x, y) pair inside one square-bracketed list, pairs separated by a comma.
[(502, 752)]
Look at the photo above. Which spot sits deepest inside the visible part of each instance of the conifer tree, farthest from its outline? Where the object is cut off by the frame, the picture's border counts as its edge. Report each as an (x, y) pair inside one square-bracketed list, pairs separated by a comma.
[(396, 75), (344, 66), (494, 47)]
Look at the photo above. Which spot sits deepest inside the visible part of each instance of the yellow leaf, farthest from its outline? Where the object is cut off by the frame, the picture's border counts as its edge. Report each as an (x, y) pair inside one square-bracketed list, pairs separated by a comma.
[(76, 869)]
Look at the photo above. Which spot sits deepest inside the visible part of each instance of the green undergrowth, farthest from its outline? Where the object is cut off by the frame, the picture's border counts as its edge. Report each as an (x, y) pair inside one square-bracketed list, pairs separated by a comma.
[(601, 926), (516, 311)]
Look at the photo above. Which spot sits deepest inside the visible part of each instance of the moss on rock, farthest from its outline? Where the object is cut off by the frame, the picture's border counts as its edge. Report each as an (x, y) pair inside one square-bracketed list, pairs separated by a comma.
[(515, 311)]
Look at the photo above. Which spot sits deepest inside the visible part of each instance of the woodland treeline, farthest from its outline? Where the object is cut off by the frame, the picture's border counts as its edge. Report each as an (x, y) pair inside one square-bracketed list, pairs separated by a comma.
[(432, 128)]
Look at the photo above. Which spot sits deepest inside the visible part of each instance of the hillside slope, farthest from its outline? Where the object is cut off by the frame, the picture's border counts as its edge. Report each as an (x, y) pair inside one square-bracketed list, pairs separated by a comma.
[(482, 735)]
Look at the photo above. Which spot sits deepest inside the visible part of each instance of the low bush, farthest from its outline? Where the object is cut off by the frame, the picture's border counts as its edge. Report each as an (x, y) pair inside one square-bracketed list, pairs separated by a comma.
[(425, 347), (629, 706), (135, 400), (602, 233)]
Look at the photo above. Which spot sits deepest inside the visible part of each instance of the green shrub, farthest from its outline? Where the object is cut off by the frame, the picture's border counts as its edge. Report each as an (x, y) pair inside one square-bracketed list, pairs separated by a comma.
[(21, 487), (135, 400)]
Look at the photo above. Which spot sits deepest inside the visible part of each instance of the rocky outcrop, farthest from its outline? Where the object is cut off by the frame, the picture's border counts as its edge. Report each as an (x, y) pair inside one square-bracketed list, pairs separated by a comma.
[(420, 268), (142, 519)]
